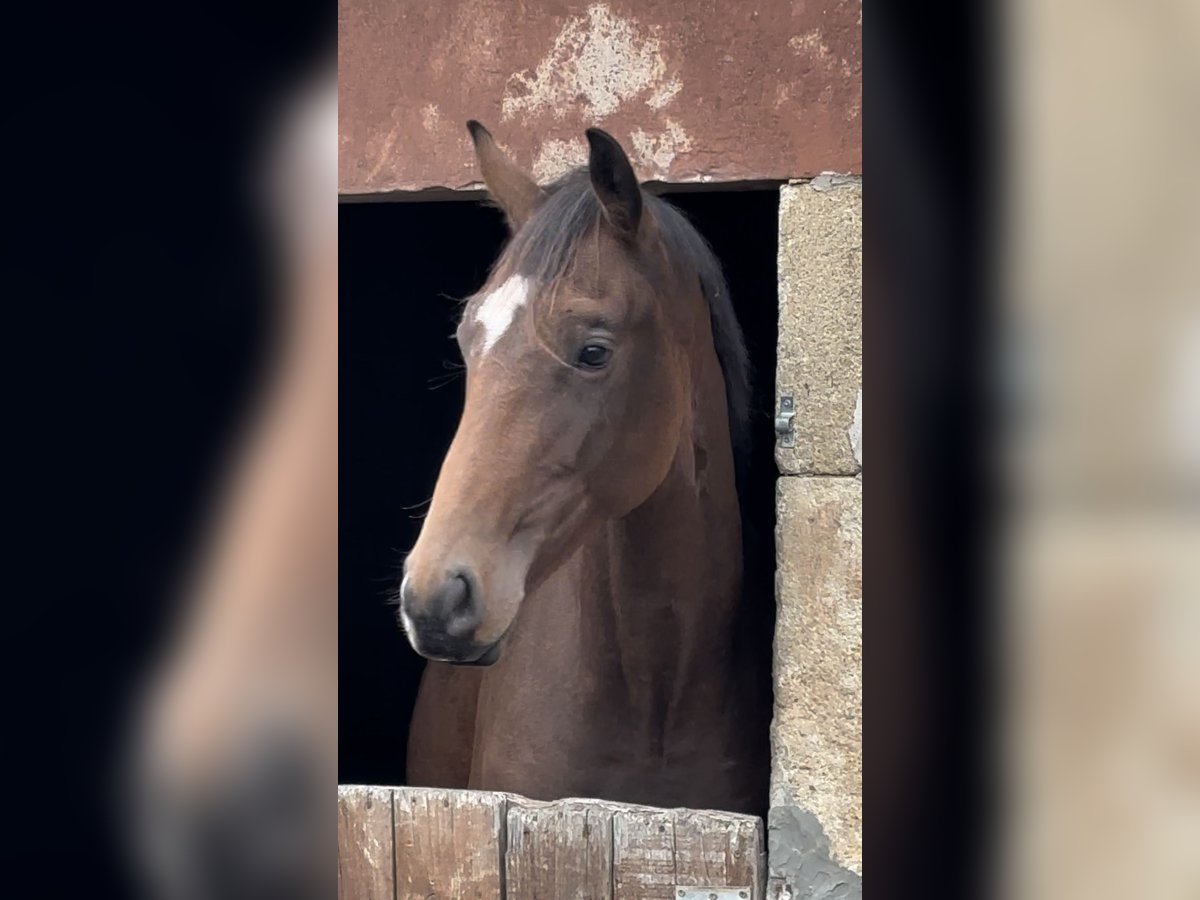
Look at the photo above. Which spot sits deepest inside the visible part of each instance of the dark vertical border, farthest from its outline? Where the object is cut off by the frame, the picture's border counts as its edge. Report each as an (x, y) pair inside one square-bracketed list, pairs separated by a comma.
[(929, 163)]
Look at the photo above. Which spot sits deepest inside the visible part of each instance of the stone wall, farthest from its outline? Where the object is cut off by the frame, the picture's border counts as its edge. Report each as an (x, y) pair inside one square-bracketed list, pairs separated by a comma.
[(815, 827)]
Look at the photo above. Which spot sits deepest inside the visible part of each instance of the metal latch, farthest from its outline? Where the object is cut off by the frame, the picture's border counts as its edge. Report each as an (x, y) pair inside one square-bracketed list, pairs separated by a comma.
[(712, 893), (783, 421)]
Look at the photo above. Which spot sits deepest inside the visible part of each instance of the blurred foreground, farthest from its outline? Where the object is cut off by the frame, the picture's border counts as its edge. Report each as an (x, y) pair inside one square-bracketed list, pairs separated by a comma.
[(235, 751), (1100, 371)]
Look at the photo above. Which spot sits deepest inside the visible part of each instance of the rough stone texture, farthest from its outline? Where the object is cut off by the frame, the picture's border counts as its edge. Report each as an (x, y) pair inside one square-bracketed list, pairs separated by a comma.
[(695, 92), (820, 324), (816, 735)]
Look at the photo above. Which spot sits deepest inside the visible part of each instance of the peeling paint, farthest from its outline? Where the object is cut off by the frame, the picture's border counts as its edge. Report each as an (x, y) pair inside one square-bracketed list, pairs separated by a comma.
[(810, 43), (555, 158), (621, 66), (381, 158), (430, 117), (665, 94), (657, 152), (599, 60)]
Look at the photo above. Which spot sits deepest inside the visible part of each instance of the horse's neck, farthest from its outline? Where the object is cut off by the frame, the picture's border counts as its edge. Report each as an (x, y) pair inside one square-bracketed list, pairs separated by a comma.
[(662, 588)]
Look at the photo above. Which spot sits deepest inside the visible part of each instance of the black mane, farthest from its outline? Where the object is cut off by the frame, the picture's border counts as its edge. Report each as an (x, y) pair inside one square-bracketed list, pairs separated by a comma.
[(544, 247)]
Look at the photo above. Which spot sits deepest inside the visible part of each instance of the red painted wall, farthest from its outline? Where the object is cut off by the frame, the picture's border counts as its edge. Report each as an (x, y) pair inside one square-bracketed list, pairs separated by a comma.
[(695, 91)]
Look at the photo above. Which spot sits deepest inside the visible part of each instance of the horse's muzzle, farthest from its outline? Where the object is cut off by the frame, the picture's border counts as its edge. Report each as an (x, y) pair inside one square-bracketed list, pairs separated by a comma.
[(442, 625)]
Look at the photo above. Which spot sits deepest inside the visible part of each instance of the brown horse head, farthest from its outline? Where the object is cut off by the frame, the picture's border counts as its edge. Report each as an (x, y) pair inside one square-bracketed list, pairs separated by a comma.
[(585, 352)]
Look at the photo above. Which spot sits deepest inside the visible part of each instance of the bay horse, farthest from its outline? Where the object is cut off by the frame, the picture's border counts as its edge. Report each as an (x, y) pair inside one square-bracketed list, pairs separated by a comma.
[(577, 582)]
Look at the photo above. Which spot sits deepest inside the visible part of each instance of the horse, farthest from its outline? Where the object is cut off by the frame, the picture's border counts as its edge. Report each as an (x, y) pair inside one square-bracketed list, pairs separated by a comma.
[(577, 581)]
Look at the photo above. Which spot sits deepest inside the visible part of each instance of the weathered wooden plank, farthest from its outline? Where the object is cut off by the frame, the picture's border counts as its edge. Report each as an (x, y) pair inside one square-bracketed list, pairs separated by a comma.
[(656, 852), (716, 849), (448, 844), (366, 859), (559, 851), (403, 843), (643, 854)]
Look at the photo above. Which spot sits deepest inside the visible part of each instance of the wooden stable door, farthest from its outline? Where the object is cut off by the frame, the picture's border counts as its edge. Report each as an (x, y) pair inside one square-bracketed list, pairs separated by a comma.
[(422, 844)]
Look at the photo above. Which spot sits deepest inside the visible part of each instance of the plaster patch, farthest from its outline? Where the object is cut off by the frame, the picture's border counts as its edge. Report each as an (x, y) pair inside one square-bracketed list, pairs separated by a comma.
[(383, 155), (665, 94), (810, 43), (657, 152), (497, 309), (430, 116), (598, 58), (799, 861), (829, 181), (555, 158)]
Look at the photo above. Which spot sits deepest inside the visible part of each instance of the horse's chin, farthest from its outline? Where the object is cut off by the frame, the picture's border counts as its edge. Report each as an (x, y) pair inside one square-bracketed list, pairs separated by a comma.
[(487, 658), (491, 655)]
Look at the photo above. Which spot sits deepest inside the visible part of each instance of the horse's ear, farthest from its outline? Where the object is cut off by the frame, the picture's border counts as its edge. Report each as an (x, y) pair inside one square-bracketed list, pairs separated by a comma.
[(515, 192), (614, 182)]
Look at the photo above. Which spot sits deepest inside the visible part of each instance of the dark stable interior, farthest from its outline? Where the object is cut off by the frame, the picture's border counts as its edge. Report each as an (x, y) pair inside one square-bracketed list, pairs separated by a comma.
[(402, 266)]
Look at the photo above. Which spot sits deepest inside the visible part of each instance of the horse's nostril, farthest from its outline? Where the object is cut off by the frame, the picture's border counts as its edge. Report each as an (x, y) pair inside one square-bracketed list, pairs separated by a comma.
[(461, 606), (457, 595), (441, 620)]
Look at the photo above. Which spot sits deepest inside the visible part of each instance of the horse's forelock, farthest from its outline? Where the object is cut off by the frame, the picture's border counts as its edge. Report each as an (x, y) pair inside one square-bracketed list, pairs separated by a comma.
[(543, 248)]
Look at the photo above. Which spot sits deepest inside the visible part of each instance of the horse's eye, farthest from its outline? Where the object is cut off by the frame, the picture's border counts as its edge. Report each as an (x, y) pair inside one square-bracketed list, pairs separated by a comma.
[(594, 356)]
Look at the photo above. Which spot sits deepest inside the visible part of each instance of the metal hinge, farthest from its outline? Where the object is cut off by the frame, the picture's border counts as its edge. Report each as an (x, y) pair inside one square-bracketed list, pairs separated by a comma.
[(783, 421), (712, 893)]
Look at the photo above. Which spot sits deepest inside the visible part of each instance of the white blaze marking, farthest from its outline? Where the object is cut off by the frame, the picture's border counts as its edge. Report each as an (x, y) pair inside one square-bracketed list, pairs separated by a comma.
[(498, 308)]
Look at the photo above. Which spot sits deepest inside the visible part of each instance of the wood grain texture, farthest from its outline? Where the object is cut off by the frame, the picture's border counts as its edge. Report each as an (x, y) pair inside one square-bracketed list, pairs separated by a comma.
[(716, 849), (655, 852), (449, 844), (559, 851), (366, 859), (643, 854), (428, 844)]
